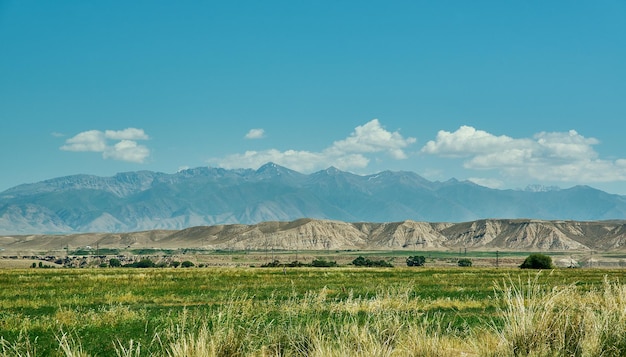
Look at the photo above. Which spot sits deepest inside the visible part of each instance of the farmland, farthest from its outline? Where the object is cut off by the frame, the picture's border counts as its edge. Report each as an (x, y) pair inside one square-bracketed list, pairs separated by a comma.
[(304, 311)]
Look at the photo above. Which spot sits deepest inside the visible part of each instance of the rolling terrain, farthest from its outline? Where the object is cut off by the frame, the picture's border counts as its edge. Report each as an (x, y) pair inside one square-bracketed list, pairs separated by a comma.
[(310, 234)]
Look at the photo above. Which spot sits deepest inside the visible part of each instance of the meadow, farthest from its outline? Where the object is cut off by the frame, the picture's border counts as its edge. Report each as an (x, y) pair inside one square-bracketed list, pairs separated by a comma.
[(312, 312)]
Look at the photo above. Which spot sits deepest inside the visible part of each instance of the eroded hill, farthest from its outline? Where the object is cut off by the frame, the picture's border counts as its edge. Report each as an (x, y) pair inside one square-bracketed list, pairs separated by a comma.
[(311, 234)]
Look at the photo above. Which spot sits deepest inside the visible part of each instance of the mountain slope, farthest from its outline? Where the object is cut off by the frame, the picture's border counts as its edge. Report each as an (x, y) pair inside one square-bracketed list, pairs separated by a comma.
[(310, 234), (147, 200)]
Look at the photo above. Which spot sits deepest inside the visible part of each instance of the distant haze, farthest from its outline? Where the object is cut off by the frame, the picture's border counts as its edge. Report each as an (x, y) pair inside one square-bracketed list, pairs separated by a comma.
[(146, 200)]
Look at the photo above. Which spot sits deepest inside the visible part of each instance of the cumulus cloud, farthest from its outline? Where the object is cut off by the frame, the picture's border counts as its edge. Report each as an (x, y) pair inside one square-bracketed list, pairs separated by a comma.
[(255, 134), (372, 137), (556, 156), (125, 149), (92, 140), (349, 153), (466, 141), (126, 134)]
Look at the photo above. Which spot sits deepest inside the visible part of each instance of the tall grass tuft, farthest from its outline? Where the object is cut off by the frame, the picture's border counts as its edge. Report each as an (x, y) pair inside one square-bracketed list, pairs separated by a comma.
[(561, 321), (609, 321), (22, 347), (70, 347), (133, 349)]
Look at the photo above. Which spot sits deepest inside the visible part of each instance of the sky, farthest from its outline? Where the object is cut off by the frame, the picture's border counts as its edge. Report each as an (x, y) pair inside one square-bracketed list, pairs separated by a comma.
[(503, 93)]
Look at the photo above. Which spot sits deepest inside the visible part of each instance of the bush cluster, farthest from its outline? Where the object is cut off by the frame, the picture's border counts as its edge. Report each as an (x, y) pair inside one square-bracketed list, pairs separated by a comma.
[(365, 262), (148, 263), (41, 265), (276, 263), (323, 263), (464, 262), (415, 261), (537, 261)]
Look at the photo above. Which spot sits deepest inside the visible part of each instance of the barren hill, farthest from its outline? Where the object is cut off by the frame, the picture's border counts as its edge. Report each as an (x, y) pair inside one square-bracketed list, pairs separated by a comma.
[(310, 234)]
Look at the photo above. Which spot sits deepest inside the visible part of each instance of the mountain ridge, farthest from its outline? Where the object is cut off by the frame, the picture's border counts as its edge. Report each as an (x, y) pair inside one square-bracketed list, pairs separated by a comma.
[(145, 200)]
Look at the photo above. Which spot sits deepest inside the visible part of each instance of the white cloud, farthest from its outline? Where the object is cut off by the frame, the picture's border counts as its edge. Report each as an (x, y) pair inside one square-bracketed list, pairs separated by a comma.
[(92, 140), (558, 156), (372, 137), (349, 153), (255, 134), (126, 134), (466, 141), (125, 149)]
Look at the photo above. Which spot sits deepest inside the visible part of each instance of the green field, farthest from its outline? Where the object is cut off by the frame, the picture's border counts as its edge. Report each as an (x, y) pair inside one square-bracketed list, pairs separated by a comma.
[(311, 312)]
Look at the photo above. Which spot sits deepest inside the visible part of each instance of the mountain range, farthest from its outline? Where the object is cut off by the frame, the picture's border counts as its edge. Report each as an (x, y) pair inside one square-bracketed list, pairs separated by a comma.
[(146, 200)]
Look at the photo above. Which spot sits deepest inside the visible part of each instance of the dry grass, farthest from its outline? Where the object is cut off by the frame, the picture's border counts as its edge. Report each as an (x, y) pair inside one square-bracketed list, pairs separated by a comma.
[(562, 321)]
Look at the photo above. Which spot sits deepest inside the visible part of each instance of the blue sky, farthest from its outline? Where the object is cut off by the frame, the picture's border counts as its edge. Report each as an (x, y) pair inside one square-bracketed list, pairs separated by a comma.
[(502, 93)]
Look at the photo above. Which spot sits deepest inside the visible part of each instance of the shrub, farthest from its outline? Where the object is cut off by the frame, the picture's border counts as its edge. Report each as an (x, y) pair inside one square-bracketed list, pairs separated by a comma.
[(363, 262), (272, 264), (187, 264), (175, 264), (143, 263), (464, 262), (415, 261), (537, 261), (360, 262), (114, 263), (323, 263)]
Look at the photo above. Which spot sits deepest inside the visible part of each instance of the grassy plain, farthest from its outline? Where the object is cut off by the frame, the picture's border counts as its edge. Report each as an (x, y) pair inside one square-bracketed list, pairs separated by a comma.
[(311, 312)]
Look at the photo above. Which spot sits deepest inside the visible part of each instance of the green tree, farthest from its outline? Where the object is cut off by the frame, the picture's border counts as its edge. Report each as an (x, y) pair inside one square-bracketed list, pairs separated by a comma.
[(187, 264), (415, 261), (175, 264), (464, 262), (323, 263), (115, 263), (537, 261), (363, 262), (145, 263), (360, 262)]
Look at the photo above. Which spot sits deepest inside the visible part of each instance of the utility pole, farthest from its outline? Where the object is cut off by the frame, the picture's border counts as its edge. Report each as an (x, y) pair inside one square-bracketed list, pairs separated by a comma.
[(497, 259), (296, 249)]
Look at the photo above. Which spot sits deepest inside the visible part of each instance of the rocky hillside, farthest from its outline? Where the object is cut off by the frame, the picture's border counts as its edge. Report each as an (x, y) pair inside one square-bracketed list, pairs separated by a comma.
[(309, 234), (145, 200)]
